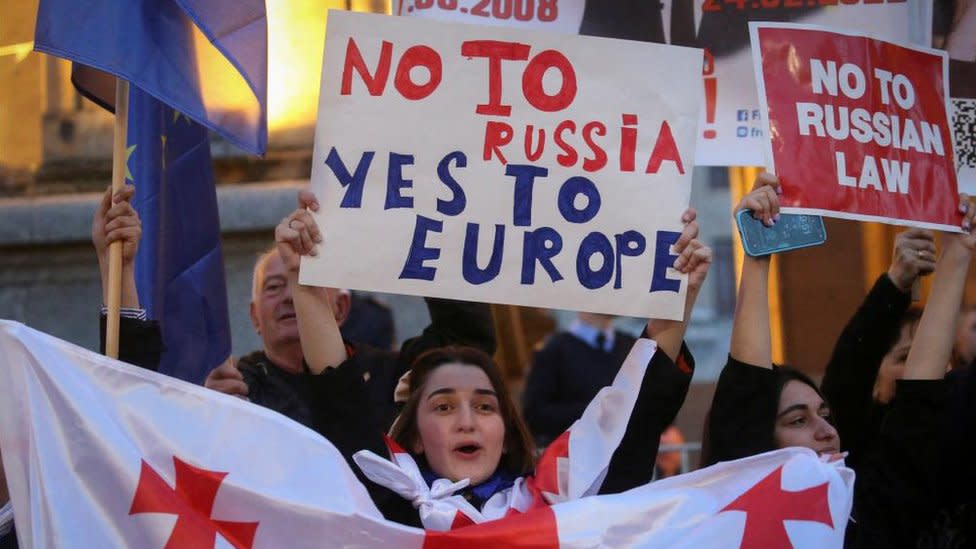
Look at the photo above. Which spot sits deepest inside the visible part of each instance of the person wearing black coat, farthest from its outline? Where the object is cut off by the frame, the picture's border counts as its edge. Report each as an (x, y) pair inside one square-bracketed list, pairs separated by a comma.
[(870, 352), (452, 322), (759, 407), (272, 376), (568, 371)]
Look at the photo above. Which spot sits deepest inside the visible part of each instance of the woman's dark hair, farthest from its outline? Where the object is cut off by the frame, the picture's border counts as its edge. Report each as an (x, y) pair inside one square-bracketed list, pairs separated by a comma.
[(519, 454), (786, 374), (753, 438)]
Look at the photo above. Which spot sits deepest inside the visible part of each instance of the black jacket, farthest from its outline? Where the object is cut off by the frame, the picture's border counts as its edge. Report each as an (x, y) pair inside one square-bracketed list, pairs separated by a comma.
[(452, 323), (140, 342), (848, 382), (848, 385), (565, 376), (9, 541)]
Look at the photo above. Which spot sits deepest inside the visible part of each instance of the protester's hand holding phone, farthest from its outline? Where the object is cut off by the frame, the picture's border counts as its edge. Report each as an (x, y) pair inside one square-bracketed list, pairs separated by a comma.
[(765, 231), (763, 200)]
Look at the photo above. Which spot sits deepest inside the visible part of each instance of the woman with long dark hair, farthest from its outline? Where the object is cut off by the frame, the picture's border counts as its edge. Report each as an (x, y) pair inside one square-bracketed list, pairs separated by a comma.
[(760, 407), (460, 452)]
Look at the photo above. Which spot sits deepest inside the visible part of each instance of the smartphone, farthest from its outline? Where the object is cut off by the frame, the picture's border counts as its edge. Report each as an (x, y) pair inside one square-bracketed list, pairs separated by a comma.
[(791, 232)]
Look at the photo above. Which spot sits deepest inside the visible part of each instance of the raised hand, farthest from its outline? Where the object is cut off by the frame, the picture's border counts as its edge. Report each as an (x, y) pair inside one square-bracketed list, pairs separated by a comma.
[(913, 256), (967, 239), (751, 342), (763, 199), (298, 234), (116, 220), (694, 257), (932, 346)]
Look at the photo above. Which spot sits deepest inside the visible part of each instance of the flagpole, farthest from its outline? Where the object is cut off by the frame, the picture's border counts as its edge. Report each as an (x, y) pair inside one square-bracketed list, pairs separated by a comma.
[(115, 249)]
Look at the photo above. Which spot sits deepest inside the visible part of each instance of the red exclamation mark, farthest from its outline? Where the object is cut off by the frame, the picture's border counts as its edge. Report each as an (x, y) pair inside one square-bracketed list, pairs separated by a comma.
[(711, 88)]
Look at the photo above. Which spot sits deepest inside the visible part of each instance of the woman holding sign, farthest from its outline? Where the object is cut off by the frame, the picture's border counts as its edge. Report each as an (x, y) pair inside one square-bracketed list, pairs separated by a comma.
[(460, 453), (759, 407)]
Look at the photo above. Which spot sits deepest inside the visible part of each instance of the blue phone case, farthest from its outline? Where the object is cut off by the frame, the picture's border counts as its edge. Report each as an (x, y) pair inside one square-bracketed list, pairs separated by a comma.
[(791, 232)]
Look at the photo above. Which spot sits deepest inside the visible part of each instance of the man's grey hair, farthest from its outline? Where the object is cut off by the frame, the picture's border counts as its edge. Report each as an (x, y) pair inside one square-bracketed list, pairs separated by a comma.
[(257, 277)]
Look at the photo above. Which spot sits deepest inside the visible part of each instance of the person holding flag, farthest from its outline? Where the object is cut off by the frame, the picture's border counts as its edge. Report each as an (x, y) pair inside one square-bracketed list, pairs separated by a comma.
[(115, 220), (193, 66), (759, 406), (460, 453)]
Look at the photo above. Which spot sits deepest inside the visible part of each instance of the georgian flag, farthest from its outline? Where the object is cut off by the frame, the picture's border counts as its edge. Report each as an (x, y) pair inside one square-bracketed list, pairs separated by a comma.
[(99, 453)]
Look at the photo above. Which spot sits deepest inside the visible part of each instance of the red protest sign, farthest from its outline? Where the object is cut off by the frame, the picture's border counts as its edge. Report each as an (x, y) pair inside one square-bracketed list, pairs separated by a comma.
[(859, 127)]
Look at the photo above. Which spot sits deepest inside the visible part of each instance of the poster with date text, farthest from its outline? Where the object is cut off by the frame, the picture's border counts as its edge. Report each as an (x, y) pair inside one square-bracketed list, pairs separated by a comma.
[(730, 131)]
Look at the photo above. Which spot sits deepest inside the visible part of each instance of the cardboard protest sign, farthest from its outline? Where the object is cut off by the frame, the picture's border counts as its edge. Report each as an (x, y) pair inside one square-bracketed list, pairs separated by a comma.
[(499, 165), (859, 127), (732, 112), (731, 130)]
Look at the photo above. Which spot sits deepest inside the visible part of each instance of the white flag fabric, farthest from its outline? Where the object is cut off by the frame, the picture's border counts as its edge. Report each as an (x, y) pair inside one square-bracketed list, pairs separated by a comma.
[(98, 453)]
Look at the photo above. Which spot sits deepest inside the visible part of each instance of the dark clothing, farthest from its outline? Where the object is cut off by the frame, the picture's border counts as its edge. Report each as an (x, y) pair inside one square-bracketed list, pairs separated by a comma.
[(565, 376), (337, 407), (272, 387), (140, 342), (662, 393), (627, 19), (743, 414), (848, 386), (848, 382), (955, 525), (285, 392), (9, 541), (369, 322), (960, 443), (452, 323), (895, 494)]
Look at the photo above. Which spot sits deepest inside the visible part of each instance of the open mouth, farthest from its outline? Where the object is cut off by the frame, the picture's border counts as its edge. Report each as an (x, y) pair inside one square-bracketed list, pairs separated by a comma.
[(286, 316), (468, 449)]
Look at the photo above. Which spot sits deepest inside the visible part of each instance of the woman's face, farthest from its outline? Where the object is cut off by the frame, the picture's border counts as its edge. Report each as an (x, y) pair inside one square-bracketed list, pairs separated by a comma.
[(802, 420), (460, 426), (893, 366)]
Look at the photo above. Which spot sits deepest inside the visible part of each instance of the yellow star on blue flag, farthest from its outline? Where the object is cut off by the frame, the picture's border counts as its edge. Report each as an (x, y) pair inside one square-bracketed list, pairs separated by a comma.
[(128, 154)]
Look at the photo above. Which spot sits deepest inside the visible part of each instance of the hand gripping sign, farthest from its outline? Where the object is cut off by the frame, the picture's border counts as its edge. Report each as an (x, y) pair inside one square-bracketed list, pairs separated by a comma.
[(859, 127), (500, 165)]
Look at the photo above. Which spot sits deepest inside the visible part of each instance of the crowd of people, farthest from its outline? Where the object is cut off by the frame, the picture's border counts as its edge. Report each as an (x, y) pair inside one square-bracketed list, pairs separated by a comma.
[(897, 402)]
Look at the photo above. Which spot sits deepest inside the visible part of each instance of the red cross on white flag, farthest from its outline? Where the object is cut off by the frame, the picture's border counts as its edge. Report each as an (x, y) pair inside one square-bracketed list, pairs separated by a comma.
[(109, 455)]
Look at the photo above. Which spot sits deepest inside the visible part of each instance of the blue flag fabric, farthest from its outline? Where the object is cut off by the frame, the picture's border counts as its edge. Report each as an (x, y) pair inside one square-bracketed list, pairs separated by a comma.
[(188, 62), (205, 58), (179, 265)]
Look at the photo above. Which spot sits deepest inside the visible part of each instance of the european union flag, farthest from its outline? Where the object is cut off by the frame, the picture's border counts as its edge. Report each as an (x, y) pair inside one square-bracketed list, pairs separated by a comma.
[(189, 62), (179, 265), (206, 58)]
